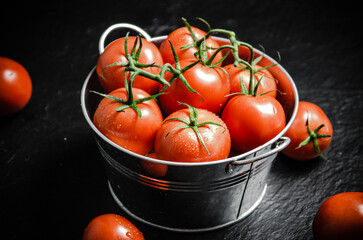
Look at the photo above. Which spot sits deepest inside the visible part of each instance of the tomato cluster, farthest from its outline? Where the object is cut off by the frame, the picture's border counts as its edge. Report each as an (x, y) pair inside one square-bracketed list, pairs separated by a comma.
[(193, 100), (207, 107)]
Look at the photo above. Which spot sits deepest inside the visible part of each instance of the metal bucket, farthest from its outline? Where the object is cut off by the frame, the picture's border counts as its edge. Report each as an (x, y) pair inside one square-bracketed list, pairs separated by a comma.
[(189, 197)]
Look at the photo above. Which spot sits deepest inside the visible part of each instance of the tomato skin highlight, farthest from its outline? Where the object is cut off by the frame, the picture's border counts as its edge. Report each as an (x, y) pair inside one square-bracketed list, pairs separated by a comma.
[(340, 217), (126, 128), (15, 86), (253, 121), (111, 227), (211, 84), (298, 132), (112, 78), (267, 84), (182, 145), (182, 37)]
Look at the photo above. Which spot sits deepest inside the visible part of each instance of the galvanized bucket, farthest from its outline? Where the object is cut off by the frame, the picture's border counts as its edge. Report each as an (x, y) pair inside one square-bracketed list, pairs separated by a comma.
[(188, 197)]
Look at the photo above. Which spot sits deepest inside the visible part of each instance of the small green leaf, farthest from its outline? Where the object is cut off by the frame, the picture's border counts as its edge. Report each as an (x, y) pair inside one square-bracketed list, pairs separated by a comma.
[(190, 29), (133, 106), (256, 60), (175, 56), (140, 100), (200, 138), (205, 22), (176, 128), (209, 123), (110, 97), (177, 119), (257, 85), (134, 48), (139, 50), (303, 143), (313, 137), (193, 114), (122, 108), (187, 46), (127, 54), (244, 90)]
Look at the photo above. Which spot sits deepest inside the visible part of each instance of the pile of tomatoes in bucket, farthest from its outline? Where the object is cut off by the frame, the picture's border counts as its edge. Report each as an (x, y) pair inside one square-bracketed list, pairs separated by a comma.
[(193, 100)]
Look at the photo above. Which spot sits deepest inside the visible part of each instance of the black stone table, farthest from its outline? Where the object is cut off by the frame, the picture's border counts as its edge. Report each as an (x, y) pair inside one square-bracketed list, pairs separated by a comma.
[(52, 180)]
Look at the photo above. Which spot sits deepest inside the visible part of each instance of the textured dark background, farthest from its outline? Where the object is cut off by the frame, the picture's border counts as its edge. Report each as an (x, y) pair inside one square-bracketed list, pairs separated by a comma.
[(52, 181)]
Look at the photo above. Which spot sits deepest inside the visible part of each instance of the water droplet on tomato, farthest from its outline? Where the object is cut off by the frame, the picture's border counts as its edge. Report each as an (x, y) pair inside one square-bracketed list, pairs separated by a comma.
[(129, 234)]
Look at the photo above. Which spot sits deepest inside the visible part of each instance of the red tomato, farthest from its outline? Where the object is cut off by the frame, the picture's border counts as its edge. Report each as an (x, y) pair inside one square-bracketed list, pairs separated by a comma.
[(15, 86), (152, 168), (267, 83), (182, 37), (340, 217), (183, 145), (211, 84), (298, 132), (112, 77), (126, 128), (111, 227), (253, 121)]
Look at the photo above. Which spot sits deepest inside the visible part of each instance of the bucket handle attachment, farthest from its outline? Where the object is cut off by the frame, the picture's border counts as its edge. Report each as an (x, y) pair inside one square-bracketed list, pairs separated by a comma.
[(101, 43), (279, 145)]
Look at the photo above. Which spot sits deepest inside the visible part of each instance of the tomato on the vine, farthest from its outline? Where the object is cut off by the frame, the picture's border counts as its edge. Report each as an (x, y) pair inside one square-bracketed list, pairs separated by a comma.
[(267, 84), (340, 217), (15, 86), (253, 120), (113, 77), (180, 38), (125, 127), (310, 133), (192, 135), (210, 83), (110, 227)]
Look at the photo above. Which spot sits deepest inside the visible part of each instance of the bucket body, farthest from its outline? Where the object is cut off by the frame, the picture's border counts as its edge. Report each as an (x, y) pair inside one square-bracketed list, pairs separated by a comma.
[(190, 197)]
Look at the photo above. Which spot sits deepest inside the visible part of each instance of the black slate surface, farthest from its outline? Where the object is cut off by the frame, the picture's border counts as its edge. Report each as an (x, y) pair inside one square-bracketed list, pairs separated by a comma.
[(52, 181)]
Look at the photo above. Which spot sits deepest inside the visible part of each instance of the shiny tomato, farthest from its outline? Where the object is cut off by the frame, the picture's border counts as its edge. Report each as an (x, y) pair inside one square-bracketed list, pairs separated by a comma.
[(253, 121), (111, 227), (126, 128), (15, 86), (267, 84), (181, 37), (177, 141), (211, 85), (112, 77), (340, 217), (312, 115)]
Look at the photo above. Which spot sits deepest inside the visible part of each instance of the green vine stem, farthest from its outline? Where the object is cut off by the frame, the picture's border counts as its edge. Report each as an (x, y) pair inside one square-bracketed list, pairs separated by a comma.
[(130, 102), (193, 124), (135, 68), (234, 48), (132, 64), (177, 71), (313, 137)]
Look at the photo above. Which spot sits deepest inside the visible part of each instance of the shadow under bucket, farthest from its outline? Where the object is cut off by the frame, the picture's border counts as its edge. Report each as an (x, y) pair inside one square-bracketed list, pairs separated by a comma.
[(190, 197)]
